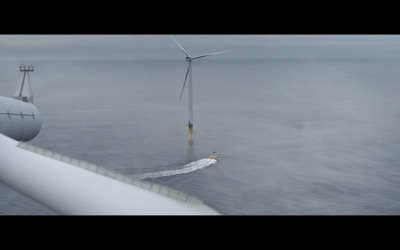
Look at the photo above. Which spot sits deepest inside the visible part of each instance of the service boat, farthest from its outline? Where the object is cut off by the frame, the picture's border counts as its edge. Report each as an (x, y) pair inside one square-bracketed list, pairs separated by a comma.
[(215, 156)]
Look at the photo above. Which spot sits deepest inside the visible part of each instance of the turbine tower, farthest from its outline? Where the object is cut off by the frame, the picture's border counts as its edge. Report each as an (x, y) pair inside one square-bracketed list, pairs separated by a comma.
[(189, 59)]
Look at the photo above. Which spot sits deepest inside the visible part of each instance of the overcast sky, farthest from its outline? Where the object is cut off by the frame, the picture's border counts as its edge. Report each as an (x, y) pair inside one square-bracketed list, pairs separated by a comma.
[(65, 47)]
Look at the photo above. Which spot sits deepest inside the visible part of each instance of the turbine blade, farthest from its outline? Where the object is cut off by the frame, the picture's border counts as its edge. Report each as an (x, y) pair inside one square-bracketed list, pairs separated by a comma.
[(180, 46), (184, 83), (197, 57)]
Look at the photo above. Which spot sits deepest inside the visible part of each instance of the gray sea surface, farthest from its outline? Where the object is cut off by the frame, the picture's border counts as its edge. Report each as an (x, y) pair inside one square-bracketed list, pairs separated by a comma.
[(297, 137)]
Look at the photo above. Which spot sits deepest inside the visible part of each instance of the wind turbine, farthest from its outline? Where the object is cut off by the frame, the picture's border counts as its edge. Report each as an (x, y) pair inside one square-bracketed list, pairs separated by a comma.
[(189, 59)]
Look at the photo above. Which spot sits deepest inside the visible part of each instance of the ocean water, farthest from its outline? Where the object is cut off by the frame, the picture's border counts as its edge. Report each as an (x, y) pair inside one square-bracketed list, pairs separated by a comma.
[(297, 137)]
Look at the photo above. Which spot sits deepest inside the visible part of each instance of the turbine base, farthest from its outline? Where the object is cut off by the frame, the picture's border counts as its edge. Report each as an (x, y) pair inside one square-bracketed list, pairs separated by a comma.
[(190, 132)]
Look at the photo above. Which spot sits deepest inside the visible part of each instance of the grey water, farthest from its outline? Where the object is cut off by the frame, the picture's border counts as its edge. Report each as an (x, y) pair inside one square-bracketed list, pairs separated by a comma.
[(297, 137)]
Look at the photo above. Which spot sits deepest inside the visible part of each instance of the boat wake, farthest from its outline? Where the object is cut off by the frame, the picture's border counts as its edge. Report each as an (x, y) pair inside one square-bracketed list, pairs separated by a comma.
[(191, 167)]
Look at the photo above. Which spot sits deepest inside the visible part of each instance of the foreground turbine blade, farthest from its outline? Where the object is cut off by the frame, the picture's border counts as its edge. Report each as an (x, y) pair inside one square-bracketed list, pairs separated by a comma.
[(184, 83), (180, 46), (196, 57), (73, 187)]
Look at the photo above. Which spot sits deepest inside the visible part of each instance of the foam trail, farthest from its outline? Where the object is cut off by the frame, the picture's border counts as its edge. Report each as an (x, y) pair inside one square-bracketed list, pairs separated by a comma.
[(193, 166)]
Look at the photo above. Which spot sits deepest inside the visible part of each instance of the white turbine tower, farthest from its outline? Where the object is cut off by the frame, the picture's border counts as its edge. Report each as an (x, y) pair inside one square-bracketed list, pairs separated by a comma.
[(189, 59)]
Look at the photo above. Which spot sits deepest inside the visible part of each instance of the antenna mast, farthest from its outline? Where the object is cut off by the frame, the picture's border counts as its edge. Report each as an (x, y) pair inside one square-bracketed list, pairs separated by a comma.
[(24, 91), (22, 68)]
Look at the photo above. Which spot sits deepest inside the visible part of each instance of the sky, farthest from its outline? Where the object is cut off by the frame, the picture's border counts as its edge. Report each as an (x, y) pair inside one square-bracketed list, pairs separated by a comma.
[(153, 47)]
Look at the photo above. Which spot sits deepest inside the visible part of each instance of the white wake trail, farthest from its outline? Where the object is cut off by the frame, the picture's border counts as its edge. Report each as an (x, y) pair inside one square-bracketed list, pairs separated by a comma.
[(193, 166)]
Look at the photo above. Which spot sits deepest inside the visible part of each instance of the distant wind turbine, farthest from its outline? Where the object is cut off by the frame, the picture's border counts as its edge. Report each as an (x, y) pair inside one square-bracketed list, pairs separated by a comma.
[(189, 59)]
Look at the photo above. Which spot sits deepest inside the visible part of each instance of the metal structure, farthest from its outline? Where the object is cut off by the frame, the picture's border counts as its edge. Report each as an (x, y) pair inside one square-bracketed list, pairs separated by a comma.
[(24, 91), (19, 118)]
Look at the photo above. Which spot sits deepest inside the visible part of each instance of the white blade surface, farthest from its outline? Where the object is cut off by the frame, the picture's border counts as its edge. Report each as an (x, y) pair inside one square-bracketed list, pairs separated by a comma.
[(180, 46), (216, 53), (70, 186), (184, 83)]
